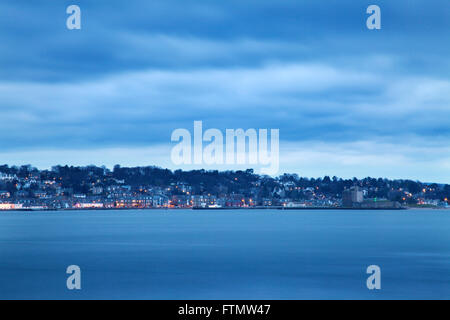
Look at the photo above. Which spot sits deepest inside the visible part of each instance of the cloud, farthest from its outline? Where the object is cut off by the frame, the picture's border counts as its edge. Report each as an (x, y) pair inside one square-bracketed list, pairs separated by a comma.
[(139, 69), (139, 35), (305, 92), (306, 101)]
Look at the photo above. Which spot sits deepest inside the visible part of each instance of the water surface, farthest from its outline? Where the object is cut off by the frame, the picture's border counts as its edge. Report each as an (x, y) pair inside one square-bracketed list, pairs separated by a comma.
[(231, 254)]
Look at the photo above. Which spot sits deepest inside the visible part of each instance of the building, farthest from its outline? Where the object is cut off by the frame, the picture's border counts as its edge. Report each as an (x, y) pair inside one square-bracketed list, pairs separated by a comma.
[(96, 190), (352, 197), (203, 201), (4, 194), (40, 194)]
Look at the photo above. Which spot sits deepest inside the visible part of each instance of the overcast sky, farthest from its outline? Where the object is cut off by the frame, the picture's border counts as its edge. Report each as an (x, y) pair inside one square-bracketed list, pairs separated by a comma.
[(348, 101)]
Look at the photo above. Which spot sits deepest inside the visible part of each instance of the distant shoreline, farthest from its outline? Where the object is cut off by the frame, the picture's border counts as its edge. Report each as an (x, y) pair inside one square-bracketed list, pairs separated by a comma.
[(302, 208), (225, 208)]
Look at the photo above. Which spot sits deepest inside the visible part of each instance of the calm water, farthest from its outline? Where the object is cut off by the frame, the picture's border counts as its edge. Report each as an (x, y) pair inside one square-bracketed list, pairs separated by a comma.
[(254, 254)]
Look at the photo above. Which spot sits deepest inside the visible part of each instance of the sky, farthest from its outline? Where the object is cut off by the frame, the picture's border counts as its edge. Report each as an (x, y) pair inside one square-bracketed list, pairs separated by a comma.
[(348, 101)]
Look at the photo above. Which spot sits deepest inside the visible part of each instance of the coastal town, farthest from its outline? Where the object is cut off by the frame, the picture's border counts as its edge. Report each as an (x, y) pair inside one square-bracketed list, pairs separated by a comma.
[(92, 187)]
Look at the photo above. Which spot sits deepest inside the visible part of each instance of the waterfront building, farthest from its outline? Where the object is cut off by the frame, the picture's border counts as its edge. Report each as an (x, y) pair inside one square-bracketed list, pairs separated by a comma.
[(4, 194), (352, 197)]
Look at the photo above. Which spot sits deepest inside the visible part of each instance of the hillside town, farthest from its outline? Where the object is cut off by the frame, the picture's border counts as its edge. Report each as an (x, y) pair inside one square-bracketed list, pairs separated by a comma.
[(92, 187)]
